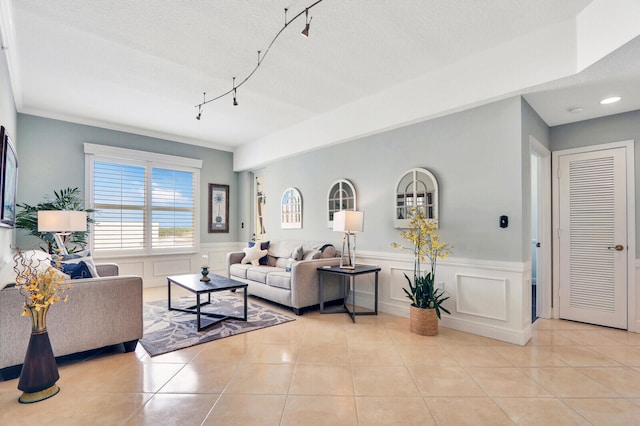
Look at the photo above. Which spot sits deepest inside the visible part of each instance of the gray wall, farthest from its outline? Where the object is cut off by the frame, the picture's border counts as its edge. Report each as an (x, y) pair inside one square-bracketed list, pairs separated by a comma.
[(8, 120), (476, 155), (52, 158), (615, 128)]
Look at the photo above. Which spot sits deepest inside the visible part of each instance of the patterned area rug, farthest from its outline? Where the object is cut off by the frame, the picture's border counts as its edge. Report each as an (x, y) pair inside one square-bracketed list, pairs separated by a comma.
[(167, 331)]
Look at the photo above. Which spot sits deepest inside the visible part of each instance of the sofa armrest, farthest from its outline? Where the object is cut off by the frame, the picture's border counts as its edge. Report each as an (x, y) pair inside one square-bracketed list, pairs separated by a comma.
[(233, 257), (305, 281), (108, 269)]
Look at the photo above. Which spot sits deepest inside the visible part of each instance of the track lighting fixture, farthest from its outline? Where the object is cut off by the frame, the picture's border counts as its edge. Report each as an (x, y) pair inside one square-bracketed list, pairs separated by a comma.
[(305, 31), (233, 90)]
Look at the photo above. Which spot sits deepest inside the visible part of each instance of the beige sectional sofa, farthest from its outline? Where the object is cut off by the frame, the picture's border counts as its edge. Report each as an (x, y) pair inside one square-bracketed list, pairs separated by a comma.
[(288, 275), (100, 312)]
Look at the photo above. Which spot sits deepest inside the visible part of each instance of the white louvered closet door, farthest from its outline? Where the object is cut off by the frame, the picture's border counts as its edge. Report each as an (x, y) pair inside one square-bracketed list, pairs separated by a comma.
[(592, 234)]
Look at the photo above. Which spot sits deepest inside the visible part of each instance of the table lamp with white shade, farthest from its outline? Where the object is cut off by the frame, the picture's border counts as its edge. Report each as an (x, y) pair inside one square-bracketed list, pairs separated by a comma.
[(61, 223), (349, 222)]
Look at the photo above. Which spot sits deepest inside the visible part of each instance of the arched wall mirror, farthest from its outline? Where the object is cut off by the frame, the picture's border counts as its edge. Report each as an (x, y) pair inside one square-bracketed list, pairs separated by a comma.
[(341, 196), (417, 190), (291, 209)]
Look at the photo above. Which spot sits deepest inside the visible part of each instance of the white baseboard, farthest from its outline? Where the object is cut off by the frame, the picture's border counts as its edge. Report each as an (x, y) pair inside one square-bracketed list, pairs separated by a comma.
[(498, 333)]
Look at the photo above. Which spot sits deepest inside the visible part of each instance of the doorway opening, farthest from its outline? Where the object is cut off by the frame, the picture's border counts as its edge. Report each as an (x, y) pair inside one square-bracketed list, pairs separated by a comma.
[(541, 291)]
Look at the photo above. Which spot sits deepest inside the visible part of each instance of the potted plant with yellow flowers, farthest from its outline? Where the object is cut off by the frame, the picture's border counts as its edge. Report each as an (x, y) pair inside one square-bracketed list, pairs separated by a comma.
[(42, 285), (426, 299)]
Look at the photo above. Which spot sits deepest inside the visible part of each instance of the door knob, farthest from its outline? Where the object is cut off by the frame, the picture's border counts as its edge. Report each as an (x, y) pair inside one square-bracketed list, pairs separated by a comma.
[(618, 247)]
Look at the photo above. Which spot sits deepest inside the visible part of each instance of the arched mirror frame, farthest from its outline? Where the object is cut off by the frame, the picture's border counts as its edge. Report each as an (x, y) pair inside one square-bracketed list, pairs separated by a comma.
[(342, 187), (418, 188), (291, 209)]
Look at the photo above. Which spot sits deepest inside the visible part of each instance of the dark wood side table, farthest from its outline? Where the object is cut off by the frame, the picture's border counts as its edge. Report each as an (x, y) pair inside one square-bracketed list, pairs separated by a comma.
[(348, 280)]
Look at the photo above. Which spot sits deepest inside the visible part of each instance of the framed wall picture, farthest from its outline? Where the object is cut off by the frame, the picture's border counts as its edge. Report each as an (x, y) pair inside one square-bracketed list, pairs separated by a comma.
[(8, 181), (218, 208)]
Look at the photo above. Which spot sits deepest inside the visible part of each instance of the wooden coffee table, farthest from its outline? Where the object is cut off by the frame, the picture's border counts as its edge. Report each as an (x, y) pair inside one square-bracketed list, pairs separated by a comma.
[(193, 284)]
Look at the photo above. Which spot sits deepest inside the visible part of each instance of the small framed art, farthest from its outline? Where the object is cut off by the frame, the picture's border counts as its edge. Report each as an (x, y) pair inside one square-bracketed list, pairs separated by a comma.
[(218, 208)]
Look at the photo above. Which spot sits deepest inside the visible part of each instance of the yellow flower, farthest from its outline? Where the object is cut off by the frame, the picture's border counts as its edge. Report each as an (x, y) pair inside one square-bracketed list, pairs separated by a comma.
[(425, 241)]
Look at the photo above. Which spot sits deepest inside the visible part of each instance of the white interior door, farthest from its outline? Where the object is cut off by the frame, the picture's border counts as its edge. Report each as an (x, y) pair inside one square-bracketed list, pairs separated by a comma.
[(593, 237)]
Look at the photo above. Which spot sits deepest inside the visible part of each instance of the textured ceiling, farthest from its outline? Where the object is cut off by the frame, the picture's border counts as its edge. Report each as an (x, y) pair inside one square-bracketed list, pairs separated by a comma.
[(143, 65)]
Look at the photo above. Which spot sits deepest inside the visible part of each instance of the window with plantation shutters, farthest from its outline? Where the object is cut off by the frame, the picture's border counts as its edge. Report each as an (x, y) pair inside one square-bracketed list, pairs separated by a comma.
[(119, 201), (172, 214), (146, 206)]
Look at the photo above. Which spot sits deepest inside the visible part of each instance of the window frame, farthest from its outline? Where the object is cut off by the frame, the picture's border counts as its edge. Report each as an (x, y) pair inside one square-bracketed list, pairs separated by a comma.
[(149, 161)]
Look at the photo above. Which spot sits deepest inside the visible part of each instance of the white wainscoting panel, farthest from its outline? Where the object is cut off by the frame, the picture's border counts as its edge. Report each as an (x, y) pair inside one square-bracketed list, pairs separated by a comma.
[(481, 296), (173, 267), (154, 270), (133, 268), (487, 298), (398, 282)]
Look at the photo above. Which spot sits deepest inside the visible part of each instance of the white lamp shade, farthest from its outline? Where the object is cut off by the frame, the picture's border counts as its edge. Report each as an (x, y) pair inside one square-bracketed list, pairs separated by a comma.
[(61, 221), (348, 221)]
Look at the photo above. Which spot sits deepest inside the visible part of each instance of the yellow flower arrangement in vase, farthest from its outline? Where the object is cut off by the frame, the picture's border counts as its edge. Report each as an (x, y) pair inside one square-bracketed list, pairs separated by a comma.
[(41, 284), (426, 244)]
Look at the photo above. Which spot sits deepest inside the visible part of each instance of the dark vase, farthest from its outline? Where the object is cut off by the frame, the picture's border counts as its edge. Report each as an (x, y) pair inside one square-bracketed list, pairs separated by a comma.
[(39, 370)]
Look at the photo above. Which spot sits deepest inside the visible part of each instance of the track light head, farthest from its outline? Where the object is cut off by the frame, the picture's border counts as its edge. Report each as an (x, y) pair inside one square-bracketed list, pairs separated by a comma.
[(204, 101), (307, 26), (235, 101)]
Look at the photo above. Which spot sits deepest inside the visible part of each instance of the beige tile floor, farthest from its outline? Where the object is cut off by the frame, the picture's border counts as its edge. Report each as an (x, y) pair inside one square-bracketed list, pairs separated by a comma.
[(325, 370)]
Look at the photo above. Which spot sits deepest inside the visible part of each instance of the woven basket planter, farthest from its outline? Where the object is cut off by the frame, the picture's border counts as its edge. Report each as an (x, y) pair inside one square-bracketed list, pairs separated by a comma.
[(423, 321)]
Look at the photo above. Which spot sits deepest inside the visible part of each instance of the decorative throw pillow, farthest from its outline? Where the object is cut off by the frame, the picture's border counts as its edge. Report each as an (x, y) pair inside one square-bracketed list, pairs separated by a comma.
[(253, 255), (327, 250), (76, 270), (297, 253), (312, 255), (264, 245), (81, 256)]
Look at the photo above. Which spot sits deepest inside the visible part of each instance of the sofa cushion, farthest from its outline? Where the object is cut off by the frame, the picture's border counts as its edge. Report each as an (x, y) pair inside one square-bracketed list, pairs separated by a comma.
[(239, 270), (259, 273), (279, 279), (312, 254), (282, 248), (253, 255), (81, 256), (264, 245), (76, 270), (327, 250), (282, 262)]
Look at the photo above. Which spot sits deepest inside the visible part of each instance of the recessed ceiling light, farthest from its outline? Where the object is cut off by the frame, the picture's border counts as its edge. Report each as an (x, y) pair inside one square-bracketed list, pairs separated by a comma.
[(610, 100), (575, 109)]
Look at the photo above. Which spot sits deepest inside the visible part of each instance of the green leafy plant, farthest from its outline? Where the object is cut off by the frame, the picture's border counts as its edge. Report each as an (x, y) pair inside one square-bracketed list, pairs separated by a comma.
[(426, 244), (65, 199)]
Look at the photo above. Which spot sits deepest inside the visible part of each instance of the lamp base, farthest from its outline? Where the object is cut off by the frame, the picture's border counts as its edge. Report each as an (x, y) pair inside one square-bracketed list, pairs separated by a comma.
[(351, 256)]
